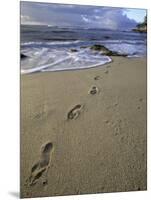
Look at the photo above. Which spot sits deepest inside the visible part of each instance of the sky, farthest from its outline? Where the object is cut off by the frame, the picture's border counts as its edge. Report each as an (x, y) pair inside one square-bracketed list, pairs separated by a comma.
[(35, 13)]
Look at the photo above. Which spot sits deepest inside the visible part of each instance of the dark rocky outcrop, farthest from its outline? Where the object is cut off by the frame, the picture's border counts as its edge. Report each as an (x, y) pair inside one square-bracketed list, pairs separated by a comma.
[(105, 51), (142, 27), (73, 50), (23, 56), (107, 37)]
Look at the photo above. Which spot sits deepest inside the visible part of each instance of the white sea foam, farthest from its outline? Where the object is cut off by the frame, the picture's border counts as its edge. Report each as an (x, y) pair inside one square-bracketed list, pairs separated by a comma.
[(55, 60), (129, 49), (109, 41), (57, 55), (49, 49), (24, 44)]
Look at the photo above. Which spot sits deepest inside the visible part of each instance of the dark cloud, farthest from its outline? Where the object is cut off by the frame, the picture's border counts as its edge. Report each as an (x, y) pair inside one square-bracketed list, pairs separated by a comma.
[(75, 15)]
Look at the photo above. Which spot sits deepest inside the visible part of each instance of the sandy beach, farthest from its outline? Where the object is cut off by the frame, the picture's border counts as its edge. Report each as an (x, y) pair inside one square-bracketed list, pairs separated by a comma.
[(84, 131)]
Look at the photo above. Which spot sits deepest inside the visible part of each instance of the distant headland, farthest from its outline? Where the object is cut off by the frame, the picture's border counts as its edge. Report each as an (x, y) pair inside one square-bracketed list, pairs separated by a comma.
[(142, 27)]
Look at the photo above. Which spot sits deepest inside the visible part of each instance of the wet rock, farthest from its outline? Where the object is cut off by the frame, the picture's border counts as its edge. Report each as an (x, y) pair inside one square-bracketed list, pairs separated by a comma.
[(23, 56), (105, 51), (107, 37), (73, 50)]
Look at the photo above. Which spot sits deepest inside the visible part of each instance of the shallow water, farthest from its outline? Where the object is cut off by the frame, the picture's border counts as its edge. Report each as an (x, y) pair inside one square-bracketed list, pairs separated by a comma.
[(49, 48)]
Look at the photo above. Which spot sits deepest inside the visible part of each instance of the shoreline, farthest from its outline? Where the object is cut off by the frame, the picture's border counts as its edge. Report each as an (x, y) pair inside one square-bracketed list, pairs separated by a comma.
[(80, 69), (96, 120)]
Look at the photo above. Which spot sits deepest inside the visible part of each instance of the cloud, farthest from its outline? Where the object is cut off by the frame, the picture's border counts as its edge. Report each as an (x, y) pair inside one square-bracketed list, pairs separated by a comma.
[(75, 15)]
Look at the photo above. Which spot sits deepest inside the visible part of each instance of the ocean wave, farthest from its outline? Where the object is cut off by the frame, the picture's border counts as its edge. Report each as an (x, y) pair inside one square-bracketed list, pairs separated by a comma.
[(48, 61), (49, 43), (116, 45), (127, 48), (45, 68), (60, 57)]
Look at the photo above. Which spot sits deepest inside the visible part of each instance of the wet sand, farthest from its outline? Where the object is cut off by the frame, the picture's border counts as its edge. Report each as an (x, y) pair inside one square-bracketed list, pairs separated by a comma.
[(84, 131)]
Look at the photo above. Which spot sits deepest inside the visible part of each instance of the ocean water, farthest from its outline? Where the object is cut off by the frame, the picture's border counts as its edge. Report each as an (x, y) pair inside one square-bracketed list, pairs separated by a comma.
[(49, 48)]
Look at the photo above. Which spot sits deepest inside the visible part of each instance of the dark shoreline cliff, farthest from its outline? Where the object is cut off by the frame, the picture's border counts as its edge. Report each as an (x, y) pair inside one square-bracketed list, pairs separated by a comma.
[(142, 27)]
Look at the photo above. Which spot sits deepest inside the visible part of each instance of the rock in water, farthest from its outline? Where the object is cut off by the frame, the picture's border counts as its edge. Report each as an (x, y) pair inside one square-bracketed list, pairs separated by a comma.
[(98, 47), (23, 56), (73, 50), (105, 51), (107, 37)]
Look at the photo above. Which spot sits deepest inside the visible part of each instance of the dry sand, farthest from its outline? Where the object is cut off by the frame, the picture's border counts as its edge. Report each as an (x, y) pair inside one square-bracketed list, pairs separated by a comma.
[(84, 131)]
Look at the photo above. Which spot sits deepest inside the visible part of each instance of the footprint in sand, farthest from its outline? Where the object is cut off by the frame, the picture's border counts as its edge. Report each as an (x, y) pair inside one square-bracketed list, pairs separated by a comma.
[(40, 169), (106, 72), (140, 99), (96, 78), (139, 106), (115, 125), (74, 112), (94, 90)]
